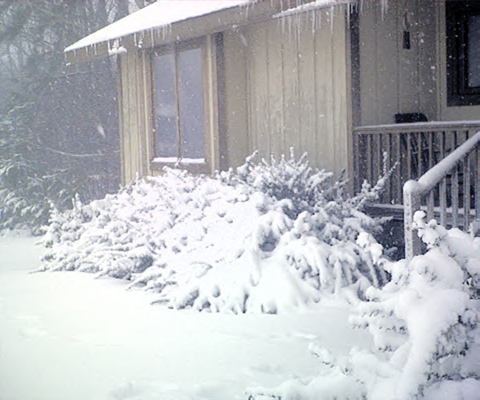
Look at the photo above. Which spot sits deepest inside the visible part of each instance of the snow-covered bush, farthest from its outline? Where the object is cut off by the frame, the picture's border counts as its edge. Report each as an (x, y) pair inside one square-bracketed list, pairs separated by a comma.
[(307, 190), (424, 325), (264, 238)]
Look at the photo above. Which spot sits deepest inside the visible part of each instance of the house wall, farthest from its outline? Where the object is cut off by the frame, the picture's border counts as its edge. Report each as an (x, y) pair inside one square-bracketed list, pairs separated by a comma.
[(398, 80), (286, 85)]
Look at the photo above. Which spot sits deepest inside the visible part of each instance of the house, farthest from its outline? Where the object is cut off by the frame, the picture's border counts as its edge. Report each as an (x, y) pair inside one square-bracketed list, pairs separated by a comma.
[(205, 83)]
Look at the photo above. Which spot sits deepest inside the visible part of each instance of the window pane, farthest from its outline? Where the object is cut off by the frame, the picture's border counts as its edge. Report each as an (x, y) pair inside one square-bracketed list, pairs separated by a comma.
[(191, 103), (165, 106), (474, 51)]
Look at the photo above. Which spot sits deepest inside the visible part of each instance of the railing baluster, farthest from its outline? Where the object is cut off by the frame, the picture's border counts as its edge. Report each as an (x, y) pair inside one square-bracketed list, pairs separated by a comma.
[(443, 144), (369, 158), (378, 163), (466, 193), (443, 183), (419, 154), (409, 156), (389, 186), (455, 197), (430, 205), (443, 201), (356, 162), (431, 149), (398, 172), (477, 185)]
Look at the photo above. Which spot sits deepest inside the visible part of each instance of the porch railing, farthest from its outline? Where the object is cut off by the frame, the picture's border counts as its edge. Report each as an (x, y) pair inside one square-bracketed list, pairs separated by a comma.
[(415, 147), (454, 181)]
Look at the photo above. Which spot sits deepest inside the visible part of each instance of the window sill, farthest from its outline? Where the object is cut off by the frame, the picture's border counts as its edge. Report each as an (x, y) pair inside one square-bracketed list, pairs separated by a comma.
[(192, 165)]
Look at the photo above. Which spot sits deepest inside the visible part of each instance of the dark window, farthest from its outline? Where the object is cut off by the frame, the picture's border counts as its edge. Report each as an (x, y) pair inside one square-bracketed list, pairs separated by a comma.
[(463, 52), (178, 104)]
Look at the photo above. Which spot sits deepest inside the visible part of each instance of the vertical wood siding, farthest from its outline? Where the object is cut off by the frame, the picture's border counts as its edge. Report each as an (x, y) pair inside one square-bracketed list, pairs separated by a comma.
[(291, 76), (235, 134), (394, 79), (134, 126)]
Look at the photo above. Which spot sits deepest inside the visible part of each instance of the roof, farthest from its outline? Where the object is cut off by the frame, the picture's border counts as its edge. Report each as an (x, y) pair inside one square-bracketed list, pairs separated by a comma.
[(157, 15), (172, 20)]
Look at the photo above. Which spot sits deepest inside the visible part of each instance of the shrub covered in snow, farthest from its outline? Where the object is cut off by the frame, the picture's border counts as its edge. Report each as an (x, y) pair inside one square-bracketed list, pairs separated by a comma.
[(267, 238), (425, 330)]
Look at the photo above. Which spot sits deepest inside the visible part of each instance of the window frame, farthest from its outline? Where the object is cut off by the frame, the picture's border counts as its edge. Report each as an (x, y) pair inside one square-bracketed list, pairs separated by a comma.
[(156, 163), (458, 91)]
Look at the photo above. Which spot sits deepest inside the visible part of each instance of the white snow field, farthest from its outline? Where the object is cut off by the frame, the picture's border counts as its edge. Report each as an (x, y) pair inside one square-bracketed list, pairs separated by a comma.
[(68, 336)]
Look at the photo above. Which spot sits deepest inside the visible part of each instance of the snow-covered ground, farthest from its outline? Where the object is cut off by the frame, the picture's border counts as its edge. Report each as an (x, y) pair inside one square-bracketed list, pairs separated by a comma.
[(65, 335), (250, 273)]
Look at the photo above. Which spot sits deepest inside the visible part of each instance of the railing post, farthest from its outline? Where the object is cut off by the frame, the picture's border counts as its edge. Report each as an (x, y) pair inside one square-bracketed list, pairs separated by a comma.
[(411, 204)]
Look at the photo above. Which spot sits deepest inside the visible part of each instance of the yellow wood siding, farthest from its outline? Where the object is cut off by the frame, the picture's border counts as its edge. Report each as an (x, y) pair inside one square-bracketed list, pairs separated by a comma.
[(292, 76), (134, 125), (235, 133)]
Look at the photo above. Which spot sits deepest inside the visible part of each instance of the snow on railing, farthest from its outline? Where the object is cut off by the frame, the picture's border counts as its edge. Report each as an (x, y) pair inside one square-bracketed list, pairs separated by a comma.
[(454, 181)]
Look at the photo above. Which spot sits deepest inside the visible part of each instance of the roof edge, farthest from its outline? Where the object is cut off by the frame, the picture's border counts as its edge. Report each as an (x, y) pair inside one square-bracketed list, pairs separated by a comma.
[(218, 21)]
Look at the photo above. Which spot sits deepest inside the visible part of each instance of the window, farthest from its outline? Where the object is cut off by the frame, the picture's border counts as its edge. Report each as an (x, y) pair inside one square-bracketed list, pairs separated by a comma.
[(463, 52), (179, 111)]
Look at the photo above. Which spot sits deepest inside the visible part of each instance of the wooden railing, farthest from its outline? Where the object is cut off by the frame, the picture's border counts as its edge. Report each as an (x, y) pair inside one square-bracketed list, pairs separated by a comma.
[(454, 181), (414, 148)]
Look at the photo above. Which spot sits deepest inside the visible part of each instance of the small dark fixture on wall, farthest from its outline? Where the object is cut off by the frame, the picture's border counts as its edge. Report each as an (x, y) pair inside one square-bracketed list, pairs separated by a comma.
[(406, 118)]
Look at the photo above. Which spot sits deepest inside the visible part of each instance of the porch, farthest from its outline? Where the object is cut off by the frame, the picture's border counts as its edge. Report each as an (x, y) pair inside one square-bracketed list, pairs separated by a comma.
[(450, 191)]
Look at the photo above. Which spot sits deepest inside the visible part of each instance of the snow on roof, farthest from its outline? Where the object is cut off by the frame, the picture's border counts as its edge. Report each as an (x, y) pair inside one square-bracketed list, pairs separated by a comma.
[(157, 15), (311, 7)]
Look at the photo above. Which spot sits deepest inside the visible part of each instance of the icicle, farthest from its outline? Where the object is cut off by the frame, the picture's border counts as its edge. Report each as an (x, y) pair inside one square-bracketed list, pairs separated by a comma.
[(282, 25), (246, 10), (299, 26), (312, 20), (331, 13), (384, 8)]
